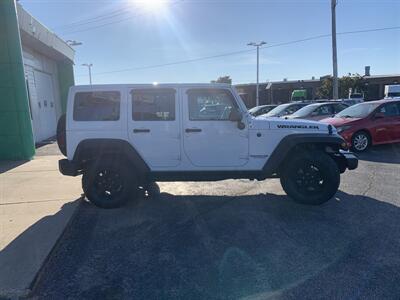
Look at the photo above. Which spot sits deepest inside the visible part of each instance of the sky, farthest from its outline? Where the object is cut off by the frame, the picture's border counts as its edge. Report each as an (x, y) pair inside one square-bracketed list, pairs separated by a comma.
[(140, 38)]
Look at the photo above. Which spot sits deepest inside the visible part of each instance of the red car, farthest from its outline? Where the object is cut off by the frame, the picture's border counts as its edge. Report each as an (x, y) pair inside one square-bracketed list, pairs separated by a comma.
[(368, 123)]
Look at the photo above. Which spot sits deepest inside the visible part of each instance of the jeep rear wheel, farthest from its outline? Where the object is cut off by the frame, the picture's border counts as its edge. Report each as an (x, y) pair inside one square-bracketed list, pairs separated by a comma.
[(109, 183), (310, 178)]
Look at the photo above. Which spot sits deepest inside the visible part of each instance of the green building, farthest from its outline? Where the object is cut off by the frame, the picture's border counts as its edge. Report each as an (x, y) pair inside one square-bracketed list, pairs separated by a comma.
[(36, 71)]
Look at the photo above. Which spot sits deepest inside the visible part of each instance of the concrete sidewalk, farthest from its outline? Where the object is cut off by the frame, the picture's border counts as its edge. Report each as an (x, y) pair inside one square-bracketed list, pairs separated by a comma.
[(36, 203)]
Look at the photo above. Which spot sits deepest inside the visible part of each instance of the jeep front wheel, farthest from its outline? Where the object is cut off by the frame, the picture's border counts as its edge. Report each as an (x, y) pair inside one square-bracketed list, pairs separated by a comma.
[(310, 178), (109, 183)]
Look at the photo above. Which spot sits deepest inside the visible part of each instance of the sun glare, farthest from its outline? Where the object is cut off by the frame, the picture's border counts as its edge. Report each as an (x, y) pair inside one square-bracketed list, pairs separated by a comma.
[(153, 6)]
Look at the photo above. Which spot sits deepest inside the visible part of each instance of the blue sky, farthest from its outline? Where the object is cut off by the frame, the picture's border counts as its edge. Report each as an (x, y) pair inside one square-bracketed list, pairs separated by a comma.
[(190, 29)]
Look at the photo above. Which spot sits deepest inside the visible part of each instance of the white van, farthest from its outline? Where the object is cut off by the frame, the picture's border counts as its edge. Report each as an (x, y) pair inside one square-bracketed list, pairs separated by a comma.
[(392, 91)]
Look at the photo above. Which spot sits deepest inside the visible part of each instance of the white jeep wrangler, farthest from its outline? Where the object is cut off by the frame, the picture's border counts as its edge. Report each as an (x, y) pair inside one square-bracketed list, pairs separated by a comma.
[(123, 138)]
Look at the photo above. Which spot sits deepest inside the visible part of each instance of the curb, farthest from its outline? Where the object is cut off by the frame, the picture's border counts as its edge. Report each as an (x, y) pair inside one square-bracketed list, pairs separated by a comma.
[(30, 290)]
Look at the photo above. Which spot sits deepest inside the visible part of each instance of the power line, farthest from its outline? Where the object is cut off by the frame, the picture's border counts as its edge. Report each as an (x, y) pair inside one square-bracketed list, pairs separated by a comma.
[(99, 26), (111, 14), (243, 51), (67, 31), (177, 62), (123, 11)]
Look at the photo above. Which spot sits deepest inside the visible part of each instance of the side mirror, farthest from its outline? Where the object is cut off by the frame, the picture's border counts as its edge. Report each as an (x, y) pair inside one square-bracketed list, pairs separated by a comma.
[(379, 115), (235, 115)]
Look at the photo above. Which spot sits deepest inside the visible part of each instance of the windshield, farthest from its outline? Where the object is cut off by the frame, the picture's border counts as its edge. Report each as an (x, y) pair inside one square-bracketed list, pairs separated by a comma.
[(305, 111), (394, 94), (358, 111), (277, 110), (255, 109)]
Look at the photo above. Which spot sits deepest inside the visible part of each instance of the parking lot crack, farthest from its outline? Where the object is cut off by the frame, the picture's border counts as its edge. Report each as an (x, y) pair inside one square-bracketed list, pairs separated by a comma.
[(370, 183)]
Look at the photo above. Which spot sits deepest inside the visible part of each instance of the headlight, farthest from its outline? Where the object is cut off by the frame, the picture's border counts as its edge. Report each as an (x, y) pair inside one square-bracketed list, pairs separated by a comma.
[(342, 128)]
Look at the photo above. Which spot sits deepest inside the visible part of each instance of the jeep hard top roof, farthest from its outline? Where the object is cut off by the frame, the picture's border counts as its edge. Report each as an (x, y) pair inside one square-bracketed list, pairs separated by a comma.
[(149, 85)]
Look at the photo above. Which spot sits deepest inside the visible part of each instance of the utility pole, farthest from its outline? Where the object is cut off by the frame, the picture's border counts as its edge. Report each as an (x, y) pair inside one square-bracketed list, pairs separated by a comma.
[(334, 51), (258, 45), (90, 71)]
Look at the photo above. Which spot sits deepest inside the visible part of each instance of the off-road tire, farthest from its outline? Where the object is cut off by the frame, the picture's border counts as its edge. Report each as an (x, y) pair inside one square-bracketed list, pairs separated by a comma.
[(149, 190), (153, 190), (360, 136), (109, 183), (310, 177), (62, 134)]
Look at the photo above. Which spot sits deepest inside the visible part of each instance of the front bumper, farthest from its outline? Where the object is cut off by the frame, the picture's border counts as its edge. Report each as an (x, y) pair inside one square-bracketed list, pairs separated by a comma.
[(349, 159), (68, 168)]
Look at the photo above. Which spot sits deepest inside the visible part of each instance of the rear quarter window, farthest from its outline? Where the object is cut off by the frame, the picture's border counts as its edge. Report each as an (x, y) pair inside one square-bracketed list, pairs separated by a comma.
[(97, 106)]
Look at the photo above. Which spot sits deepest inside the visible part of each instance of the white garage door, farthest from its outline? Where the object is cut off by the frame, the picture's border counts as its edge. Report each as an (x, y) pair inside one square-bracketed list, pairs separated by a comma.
[(47, 122)]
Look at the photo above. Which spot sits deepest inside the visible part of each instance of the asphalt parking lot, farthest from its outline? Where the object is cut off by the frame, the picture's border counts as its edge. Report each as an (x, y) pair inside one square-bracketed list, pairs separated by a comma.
[(237, 239)]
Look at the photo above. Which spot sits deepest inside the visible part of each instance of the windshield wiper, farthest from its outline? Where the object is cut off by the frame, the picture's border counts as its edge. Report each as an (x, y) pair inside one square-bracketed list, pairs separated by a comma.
[(346, 116)]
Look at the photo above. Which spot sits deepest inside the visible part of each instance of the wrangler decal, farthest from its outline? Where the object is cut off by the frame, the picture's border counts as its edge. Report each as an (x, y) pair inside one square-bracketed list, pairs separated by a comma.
[(298, 126)]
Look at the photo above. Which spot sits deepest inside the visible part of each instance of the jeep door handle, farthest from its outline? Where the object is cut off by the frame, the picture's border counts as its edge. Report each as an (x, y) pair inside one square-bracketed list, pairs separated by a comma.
[(189, 130), (141, 130)]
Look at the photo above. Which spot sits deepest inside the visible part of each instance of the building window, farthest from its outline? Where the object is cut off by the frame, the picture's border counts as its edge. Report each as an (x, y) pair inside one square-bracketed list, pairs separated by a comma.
[(210, 105), (97, 106), (153, 105)]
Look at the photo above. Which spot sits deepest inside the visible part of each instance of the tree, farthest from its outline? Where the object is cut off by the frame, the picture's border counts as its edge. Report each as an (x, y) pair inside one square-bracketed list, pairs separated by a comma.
[(353, 82), (350, 81), (325, 90), (223, 79)]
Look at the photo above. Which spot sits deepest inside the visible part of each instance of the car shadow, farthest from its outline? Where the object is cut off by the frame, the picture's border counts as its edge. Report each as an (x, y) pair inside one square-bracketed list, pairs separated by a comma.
[(229, 247), (46, 142), (8, 165), (23, 257), (389, 153)]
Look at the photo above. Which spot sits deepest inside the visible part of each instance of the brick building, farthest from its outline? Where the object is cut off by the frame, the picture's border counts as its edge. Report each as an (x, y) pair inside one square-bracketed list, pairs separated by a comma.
[(277, 92)]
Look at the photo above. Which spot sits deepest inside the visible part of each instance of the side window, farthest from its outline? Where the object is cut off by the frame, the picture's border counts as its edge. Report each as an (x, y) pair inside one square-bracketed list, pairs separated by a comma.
[(209, 105), (339, 107), (390, 109), (324, 110), (97, 106), (292, 109), (153, 105)]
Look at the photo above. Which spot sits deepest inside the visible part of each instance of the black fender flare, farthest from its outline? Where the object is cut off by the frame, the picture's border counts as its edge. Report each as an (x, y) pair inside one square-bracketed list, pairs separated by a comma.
[(289, 142), (91, 148)]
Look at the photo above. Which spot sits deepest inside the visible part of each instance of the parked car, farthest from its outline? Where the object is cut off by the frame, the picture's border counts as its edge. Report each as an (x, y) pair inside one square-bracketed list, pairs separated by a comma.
[(318, 111), (285, 109), (262, 109), (181, 132), (359, 97), (350, 102), (368, 123)]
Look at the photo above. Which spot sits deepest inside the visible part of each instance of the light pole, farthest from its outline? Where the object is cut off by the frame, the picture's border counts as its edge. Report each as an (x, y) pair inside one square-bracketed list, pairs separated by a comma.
[(257, 45), (334, 51), (90, 71)]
